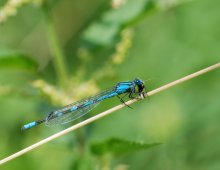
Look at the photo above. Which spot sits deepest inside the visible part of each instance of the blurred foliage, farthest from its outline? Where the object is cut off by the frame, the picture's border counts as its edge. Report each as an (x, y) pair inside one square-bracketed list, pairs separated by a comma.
[(117, 146), (13, 60), (55, 52)]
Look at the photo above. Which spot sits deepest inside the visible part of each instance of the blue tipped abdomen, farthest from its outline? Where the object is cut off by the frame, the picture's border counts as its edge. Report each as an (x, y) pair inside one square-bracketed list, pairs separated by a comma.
[(29, 125)]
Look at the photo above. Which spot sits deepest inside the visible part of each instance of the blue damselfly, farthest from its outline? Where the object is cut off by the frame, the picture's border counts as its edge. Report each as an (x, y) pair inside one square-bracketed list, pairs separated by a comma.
[(78, 109)]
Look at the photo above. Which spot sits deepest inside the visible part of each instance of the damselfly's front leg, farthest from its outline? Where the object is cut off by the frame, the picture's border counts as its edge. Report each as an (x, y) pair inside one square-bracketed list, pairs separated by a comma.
[(121, 99)]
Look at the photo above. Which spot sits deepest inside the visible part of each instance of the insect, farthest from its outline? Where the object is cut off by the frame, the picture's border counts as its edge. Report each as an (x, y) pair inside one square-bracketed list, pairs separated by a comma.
[(78, 109)]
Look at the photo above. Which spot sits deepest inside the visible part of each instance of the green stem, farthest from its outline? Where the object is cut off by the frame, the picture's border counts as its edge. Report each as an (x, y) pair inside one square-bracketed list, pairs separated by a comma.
[(58, 57)]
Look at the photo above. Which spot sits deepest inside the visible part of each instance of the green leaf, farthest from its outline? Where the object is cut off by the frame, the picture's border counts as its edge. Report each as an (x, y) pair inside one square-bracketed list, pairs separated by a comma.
[(119, 146), (107, 32), (10, 59), (104, 31), (125, 14)]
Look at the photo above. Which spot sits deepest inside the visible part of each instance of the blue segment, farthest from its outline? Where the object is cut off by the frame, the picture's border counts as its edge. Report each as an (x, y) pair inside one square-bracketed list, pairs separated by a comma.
[(29, 125), (107, 96), (122, 89), (80, 108), (73, 108)]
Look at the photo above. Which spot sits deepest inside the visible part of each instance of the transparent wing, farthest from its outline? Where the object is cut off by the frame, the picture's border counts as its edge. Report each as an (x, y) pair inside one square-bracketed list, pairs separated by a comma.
[(65, 114), (71, 116)]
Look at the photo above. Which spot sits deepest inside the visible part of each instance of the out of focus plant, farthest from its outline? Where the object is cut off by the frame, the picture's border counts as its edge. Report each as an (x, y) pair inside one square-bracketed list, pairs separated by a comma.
[(104, 41)]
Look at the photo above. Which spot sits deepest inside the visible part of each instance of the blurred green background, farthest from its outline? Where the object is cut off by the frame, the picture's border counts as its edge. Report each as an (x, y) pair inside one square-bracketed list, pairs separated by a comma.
[(55, 52)]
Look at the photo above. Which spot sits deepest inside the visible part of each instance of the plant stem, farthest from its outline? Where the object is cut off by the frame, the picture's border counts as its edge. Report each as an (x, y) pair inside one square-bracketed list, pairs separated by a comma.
[(107, 112), (58, 57)]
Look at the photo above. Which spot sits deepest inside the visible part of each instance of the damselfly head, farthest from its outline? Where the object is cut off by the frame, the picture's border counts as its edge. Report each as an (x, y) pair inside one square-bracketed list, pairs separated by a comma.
[(141, 87), (138, 82)]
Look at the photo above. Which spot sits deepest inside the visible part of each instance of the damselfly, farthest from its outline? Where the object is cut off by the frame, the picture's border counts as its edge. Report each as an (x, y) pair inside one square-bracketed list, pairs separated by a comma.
[(78, 109)]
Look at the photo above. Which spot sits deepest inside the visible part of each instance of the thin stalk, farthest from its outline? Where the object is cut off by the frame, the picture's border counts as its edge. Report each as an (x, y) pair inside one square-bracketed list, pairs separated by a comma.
[(58, 57), (107, 112)]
